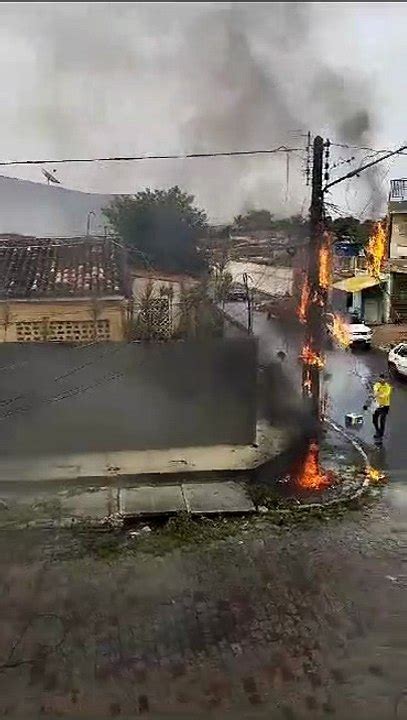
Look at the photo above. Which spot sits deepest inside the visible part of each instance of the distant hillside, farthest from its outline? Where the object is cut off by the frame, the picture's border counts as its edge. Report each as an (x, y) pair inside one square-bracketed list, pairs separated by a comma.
[(32, 208)]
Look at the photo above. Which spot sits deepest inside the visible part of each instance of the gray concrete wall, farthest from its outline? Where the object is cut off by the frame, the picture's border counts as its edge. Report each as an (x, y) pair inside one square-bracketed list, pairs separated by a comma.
[(55, 399)]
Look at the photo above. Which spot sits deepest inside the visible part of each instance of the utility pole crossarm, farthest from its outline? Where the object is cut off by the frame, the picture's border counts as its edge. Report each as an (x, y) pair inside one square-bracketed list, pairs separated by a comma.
[(353, 173)]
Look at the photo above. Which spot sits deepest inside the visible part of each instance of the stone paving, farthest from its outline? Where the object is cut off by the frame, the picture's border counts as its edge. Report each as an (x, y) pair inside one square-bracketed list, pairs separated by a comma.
[(294, 622)]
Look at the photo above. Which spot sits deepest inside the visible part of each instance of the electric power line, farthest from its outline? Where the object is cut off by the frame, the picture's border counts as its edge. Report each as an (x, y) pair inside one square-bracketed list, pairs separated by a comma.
[(364, 147), (140, 158)]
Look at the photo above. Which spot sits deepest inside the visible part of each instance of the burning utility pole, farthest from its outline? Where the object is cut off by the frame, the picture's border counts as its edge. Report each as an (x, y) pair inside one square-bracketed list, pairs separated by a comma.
[(312, 306), (315, 288)]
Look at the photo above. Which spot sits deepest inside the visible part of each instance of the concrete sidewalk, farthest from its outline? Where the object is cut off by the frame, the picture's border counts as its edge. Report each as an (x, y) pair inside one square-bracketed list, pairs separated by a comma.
[(100, 468), (147, 501)]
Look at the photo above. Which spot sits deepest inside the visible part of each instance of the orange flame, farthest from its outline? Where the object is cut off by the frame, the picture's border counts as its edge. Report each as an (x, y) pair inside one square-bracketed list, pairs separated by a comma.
[(304, 302), (376, 249), (374, 475), (340, 332), (310, 357), (324, 277), (311, 477), (325, 271)]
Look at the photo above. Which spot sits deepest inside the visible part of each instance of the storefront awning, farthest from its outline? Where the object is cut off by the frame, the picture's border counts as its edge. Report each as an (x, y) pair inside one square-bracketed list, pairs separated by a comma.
[(357, 283)]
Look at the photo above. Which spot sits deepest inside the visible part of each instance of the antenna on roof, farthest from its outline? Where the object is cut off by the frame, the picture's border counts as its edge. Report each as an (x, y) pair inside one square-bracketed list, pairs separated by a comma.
[(51, 177)]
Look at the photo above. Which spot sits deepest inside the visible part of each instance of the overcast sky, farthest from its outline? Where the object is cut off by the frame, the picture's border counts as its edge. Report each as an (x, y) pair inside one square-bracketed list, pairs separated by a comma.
[(93, 79)]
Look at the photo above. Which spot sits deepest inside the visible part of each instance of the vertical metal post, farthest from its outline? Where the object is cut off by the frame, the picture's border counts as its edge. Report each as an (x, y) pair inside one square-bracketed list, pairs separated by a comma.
[(90, 213), (249, 305)]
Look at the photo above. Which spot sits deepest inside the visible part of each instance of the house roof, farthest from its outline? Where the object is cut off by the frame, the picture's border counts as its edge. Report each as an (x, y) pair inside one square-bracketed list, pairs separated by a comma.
[(164, 276), (39, 268), (356, 283)]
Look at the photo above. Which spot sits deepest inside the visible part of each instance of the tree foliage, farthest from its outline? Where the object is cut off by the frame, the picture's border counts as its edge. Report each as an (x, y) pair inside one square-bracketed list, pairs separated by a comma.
[(254, 220), (351, 229), (223, 282), (161, 226), (294, 227)]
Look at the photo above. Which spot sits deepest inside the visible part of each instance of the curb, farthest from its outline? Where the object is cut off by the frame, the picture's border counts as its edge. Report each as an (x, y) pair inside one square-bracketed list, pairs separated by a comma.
[(336, 502), (96, 517)]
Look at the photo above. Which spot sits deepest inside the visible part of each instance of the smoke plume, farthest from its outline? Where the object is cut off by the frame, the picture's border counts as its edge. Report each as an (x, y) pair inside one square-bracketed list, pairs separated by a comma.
[(99, 79)]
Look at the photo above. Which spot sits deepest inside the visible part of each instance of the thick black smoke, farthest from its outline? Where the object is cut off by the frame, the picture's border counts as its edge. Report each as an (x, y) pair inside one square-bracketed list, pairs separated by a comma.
[(350, 102), (101, 78)]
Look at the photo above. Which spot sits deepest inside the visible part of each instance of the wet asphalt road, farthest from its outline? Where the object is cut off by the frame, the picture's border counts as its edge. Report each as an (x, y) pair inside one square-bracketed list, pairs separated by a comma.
[(349, 373), (302, 622)]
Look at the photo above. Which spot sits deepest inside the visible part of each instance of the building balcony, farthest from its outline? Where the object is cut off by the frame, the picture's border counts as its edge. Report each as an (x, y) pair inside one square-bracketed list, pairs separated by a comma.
[(398, 190), (349, 266)]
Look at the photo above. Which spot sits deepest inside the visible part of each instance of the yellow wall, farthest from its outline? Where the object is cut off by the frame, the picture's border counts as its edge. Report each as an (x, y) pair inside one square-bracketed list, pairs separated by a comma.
[(12, 312)]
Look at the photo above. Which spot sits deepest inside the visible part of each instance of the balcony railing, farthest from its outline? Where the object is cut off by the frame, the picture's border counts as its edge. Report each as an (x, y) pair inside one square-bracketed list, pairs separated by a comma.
[(398, 189)]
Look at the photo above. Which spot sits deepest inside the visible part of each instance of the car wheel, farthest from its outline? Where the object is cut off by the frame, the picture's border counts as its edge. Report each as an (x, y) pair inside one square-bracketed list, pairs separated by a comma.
[(392, 369)]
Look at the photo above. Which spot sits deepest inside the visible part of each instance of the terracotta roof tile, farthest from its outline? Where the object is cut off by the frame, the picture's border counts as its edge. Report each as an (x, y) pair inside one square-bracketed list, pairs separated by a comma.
[(66, 267)]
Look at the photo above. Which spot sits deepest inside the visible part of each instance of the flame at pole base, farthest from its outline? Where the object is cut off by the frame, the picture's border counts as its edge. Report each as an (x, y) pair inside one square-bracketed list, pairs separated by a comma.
[(375, 475), (311, 476)]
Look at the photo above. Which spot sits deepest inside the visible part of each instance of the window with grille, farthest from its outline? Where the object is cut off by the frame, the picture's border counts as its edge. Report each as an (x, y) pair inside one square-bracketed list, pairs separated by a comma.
[(63, 331), (155, 319), (30, 331), (398, 189)]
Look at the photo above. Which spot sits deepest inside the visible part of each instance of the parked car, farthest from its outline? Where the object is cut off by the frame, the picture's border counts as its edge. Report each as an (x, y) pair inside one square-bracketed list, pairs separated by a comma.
[(397, 359), (359, 333), (236, 294)]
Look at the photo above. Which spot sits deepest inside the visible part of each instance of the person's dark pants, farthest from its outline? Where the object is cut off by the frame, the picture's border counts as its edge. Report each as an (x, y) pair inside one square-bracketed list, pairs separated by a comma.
[(379, 419)]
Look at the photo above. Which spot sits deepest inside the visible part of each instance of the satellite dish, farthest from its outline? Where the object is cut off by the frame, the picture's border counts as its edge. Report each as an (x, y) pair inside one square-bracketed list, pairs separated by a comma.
[(50, 177)]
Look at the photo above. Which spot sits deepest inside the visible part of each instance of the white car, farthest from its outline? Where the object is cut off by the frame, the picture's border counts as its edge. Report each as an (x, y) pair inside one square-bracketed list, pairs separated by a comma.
[(360, 334), (397, 359), (357, 331)]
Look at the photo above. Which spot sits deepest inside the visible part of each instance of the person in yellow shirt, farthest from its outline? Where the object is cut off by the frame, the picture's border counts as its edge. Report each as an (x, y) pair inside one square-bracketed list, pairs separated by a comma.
[(382, 391)]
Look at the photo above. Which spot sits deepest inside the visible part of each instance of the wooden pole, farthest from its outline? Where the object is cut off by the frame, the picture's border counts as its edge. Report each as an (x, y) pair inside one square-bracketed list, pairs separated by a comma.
[(314, 319)]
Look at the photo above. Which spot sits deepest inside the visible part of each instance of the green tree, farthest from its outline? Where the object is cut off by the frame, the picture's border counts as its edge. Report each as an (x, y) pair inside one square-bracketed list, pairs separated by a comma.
[(161, 225), (223, 282), (295, 227), (254, 220), (350, 228)]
